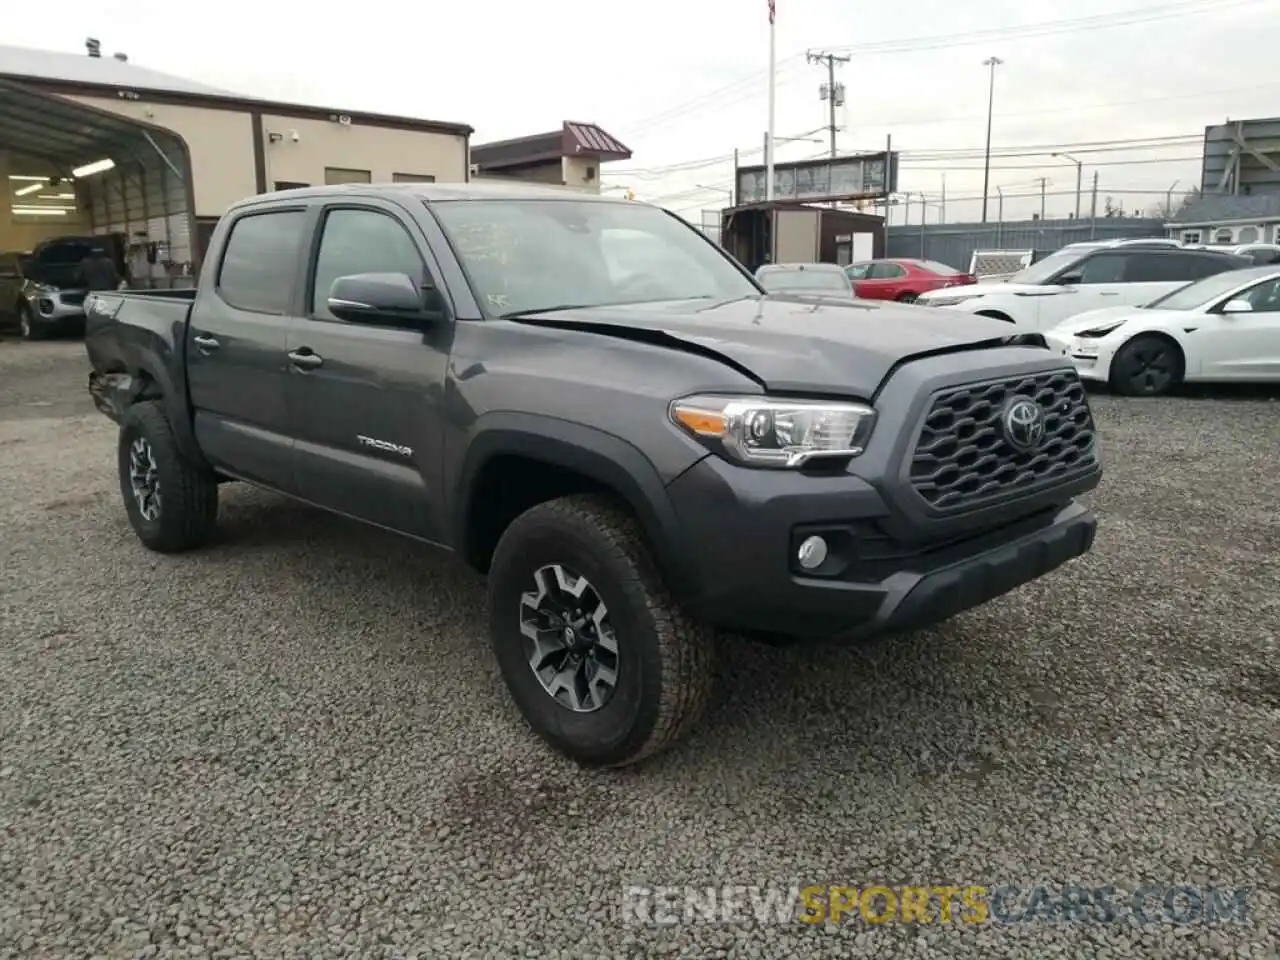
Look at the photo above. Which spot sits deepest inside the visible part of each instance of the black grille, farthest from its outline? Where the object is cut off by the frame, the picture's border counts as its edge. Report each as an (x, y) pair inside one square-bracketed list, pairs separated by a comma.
[(963, 459), (73, 299)]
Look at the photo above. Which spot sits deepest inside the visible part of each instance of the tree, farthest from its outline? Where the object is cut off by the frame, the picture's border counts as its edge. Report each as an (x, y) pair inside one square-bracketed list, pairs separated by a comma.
[(1111, 209)]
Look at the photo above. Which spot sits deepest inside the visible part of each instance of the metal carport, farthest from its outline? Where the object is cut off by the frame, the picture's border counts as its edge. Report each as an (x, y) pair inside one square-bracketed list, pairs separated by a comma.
[(146, 197)]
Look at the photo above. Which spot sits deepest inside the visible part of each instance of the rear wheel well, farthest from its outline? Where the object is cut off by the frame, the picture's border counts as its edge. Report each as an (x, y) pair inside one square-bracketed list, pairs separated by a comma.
[(508, 485), (994, 315)]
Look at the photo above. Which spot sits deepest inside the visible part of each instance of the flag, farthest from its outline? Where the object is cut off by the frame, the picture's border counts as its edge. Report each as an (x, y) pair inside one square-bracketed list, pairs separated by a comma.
[(772, 12)]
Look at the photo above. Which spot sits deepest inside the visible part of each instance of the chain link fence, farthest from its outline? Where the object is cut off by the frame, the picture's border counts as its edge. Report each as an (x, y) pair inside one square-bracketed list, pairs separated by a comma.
[(954, 243)]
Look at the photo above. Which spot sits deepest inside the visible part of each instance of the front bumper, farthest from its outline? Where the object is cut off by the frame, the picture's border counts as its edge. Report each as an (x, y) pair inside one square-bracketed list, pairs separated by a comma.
[(59, 309), (1090, 356), (742, 528)]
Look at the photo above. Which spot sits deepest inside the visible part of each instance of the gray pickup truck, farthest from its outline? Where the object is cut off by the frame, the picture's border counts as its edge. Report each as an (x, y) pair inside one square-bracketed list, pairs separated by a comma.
[(593, 404)]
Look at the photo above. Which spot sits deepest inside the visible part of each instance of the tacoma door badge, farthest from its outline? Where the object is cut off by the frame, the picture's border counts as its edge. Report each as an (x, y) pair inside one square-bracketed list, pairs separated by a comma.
[(385, 445)]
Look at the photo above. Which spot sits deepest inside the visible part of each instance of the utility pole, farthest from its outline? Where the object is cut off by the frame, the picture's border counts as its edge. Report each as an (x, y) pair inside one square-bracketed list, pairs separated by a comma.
[(992, 63), (830, 91), (1168, 200), (1000, 215), (1043, 182), (942, 214), (1093, 207)]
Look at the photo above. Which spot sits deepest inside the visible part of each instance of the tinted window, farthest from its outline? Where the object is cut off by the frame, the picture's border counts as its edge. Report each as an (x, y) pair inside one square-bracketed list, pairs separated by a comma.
[(886, 271), (1103, 268), (259, 261), (1265, 297), (361, 241), (858, 271), (1209, 266), (1162, 268)]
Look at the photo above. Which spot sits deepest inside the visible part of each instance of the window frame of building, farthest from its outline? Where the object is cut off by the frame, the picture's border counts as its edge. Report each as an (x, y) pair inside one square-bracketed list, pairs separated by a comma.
[(333, 176), (286, 271), (290, 185), (413, 178), (1191, 236)]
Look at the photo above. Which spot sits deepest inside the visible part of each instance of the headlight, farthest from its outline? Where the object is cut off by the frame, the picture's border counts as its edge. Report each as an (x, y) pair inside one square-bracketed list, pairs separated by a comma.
[(45, 289), (776, 433), (1101, 331), (949, 301)]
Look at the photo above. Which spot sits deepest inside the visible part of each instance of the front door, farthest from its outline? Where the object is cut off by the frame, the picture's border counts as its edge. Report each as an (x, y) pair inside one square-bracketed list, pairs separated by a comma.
[(1243, 346), (364, 398), (236, 344)]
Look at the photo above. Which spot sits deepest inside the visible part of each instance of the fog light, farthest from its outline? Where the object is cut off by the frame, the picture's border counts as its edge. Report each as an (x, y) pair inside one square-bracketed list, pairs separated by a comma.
[(812, 553)]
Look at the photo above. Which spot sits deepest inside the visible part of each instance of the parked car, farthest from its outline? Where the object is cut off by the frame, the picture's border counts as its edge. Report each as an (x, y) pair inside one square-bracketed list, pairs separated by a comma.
[(903, 279), (633, 459), (1073, 281), (1260, 253), (805, 279), (42, 292), (1225, 327)]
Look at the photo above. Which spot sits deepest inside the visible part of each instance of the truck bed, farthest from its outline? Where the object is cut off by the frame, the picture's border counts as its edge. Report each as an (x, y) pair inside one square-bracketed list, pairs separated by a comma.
[(135, 330)]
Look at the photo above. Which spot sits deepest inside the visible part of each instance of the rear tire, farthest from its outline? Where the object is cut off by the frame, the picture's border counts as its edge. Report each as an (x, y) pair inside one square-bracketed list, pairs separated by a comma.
[(172, 503), (661, 664), (1146, 366)]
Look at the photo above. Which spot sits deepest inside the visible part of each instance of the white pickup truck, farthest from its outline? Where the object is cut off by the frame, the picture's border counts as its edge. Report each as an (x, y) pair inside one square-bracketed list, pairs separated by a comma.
[(1080, 278)]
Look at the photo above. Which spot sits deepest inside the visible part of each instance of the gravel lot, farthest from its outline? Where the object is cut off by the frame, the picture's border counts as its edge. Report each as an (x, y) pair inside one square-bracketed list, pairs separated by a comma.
[(295, 743)]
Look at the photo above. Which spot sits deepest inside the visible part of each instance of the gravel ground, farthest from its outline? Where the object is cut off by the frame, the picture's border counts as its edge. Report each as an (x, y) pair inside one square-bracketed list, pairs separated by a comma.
[(295, 742)]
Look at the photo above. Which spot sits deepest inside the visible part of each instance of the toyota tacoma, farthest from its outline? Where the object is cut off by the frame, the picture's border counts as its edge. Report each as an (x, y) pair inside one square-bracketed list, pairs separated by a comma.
[(594, 405)]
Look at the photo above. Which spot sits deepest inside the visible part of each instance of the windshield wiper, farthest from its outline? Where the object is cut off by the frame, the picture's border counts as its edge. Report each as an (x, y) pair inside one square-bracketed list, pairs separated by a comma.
[(558, 308)]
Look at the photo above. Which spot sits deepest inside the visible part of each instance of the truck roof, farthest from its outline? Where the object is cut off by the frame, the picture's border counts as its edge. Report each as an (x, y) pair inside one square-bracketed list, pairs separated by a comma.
[(436, 192)]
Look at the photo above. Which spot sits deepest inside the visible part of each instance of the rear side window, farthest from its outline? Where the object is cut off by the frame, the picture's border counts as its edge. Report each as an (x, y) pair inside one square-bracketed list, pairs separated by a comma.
[(1162, 268), (1210, 266), (259, 261), (886, 271), (941, 269)]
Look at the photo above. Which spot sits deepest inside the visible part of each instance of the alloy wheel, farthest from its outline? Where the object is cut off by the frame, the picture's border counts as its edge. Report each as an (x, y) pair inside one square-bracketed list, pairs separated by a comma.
[(144, 479), (568, 639), (1150, 368)]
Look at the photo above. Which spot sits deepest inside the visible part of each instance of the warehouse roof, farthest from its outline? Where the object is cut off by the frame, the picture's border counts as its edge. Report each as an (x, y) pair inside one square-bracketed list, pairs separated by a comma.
[(1212, 209), (69, 73), (100, 71)]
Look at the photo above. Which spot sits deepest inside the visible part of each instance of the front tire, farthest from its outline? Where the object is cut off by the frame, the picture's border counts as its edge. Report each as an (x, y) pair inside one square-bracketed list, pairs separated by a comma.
[(908, 297), (1146, 366), (600, 660), (29, 327), (172, 503)]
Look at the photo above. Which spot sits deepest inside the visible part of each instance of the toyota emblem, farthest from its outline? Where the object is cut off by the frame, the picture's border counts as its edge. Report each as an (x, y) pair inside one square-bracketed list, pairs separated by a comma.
[(1023, 423)]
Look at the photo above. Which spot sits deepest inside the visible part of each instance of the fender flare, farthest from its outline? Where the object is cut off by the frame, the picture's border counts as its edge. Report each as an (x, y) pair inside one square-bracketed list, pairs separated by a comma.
[(593, 453), (150, 380)]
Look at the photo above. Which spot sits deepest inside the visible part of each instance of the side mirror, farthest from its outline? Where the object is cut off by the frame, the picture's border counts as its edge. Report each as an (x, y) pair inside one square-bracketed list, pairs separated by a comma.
[(1237, 306), (384, 298), (1070, 279)]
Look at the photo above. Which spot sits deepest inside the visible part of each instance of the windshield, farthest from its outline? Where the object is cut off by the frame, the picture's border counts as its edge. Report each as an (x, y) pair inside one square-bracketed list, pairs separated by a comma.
[(1202, 292), (778, 280), (1046, 268), (524, 256), (63, 254)]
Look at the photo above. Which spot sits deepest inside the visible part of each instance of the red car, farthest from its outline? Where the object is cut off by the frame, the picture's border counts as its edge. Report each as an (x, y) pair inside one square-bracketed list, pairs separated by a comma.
[(902, 280)]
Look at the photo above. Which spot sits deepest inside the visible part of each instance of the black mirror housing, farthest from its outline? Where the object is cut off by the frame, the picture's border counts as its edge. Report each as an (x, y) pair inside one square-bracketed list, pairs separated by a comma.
[(1067, 279), (384, 298)]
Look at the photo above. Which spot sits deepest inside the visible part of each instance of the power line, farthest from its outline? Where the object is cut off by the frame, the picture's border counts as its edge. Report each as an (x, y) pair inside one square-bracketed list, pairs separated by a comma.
[(745, 86), (1060, 166), (830, 91)]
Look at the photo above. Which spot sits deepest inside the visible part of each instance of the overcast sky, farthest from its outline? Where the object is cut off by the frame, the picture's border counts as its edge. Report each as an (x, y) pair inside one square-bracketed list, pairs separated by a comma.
[(681, 81)]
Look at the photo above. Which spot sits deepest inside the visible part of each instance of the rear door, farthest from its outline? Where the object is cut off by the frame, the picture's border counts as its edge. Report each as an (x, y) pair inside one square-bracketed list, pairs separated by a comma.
[(1151, 274), (364, 398), (884, 282), (236, 345)]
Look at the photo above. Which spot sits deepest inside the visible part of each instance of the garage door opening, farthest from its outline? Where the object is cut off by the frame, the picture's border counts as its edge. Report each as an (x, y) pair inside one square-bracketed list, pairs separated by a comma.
[(74, 171)]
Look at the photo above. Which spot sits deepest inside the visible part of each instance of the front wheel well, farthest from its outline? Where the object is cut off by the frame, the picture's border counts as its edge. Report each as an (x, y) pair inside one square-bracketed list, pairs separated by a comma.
[(505, 487), (994, 315)]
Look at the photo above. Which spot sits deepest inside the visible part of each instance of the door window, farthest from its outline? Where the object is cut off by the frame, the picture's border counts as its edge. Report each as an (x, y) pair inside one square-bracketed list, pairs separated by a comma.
[(361, 241), (259, 261), (859, 271), (1264, 298), (886, 271), (1102, 268)]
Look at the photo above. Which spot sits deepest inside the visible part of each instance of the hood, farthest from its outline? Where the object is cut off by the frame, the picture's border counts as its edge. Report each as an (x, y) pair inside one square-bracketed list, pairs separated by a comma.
[(1098, 318), (790, 345)]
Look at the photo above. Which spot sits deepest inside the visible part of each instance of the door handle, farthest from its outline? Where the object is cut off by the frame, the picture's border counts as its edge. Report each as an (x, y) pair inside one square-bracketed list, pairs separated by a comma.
[(1109, 293), (305, 361), (205, 343)]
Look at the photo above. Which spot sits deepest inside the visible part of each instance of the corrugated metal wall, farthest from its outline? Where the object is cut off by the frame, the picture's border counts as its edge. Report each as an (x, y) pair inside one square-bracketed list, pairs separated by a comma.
[(954, 243), (1221, 171), (148, 205)]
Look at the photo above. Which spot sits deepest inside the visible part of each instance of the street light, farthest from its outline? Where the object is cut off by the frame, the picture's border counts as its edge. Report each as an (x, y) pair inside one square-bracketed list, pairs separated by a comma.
[(991, 62), (1079, 175)]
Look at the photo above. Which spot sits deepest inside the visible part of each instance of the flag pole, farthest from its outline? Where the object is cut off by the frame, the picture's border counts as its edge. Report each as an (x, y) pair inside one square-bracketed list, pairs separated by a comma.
[(768, 160)]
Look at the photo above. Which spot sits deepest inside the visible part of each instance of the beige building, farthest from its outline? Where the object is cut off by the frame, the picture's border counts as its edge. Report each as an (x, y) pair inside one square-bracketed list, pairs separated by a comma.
[(568, 157), (95, 144)]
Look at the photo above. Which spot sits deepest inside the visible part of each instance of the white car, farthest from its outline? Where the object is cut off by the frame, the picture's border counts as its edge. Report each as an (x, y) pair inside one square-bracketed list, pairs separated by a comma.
[(1225, 327), (1080, 278)]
